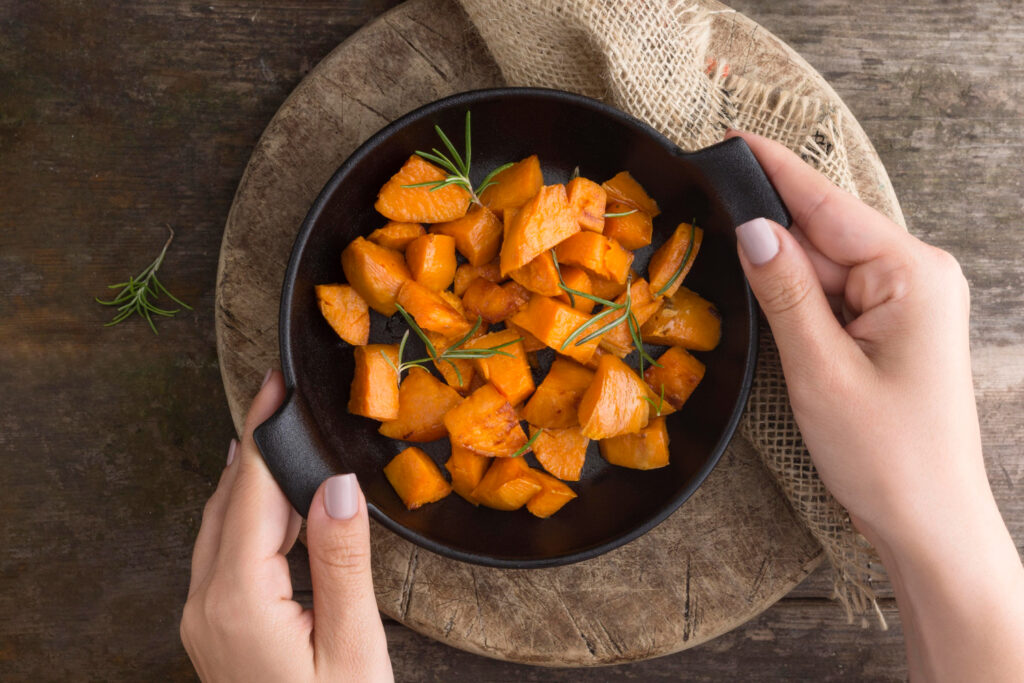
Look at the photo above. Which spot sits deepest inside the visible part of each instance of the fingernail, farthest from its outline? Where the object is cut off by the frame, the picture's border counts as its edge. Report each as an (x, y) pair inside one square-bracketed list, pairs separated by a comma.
[(231, 452), (758, 241), (266, 378), (341, 496)]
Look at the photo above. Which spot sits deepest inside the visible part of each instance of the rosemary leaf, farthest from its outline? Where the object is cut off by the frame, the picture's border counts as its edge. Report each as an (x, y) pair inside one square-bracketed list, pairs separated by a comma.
[(526, 446), (620, 215)]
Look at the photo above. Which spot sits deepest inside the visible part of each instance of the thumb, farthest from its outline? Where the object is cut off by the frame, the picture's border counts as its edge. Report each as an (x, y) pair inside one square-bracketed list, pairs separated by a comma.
[(783, 279), (347, 631)]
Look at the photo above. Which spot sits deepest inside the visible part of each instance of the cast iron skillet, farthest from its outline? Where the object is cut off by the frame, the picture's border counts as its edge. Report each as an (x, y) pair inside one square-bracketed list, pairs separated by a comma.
[(313, 436)]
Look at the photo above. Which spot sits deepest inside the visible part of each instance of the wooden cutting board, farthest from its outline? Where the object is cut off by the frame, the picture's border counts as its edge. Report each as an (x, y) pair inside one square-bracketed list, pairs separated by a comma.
[(726, 555)]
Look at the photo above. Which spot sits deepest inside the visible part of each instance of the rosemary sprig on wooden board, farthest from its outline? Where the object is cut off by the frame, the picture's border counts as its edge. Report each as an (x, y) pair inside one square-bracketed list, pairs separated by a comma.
[(138, 294)]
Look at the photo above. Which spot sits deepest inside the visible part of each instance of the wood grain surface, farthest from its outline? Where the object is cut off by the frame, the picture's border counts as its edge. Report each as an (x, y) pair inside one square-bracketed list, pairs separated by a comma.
[(116, 118)]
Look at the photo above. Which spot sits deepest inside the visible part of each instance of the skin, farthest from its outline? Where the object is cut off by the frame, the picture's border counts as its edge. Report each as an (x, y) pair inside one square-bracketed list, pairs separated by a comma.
[(872, 330)]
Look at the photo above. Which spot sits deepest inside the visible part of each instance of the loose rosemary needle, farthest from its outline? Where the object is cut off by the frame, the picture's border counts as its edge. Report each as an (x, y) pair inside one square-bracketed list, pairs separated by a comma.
[(138, 294)]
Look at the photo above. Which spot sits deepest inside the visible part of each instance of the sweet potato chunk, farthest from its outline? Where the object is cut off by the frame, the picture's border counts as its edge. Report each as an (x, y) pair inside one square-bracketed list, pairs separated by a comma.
[(686, 320), (419, 204), (467, 469), (645, 450), (632, 231), (539, 275), (477, 235), (554, 404), (431, 260), (485, 423), (374, 390), (493, 303), (514, 186), (376, 272), (431, 311), (613, 404), (577, 278), (666, 260), (345, 311), (422, 403), (680, 373), (539, 225), (608, 289), (396, 235), (466, 370), (530, 343), (510, 375), (623, 188), (618, 340), (508, 485), (415, 478), (552, 322), (599, 255), (466, 273), (587, 200), (553, 495), (561, 451)]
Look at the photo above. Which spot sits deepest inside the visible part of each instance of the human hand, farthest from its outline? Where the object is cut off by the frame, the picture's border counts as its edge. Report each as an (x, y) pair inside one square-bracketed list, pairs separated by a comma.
[(240, 622), (885, 403)]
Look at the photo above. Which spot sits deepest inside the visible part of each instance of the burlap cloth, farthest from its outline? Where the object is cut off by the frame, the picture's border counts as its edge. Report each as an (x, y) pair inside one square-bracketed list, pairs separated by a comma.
[(650, 58)]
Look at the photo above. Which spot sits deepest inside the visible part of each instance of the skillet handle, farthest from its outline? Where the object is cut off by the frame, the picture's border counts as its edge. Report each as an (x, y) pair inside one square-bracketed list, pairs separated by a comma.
[(294, 451), (733, 176)]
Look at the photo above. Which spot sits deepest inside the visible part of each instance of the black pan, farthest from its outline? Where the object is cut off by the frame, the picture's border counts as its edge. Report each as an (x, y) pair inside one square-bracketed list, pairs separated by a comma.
[(313, 436)]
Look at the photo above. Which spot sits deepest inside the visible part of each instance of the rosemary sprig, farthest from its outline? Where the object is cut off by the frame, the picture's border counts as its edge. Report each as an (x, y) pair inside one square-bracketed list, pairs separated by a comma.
[(139, 292), (660, 405), (620, 214), (682, 265), (453, 352), (526, 446), (457, 166)]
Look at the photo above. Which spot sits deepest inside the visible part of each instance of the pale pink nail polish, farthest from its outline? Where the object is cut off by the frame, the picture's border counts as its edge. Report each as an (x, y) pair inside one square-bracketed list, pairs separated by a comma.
[(341, 496), (231, 452), (266, 378), (758, 241)]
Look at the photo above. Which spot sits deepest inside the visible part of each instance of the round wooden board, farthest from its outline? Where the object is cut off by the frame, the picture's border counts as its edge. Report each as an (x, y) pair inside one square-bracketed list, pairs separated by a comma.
[(726, 555)]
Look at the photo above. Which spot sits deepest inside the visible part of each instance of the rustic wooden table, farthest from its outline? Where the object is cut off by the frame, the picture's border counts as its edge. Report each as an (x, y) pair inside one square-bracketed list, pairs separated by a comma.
[(116, 118)]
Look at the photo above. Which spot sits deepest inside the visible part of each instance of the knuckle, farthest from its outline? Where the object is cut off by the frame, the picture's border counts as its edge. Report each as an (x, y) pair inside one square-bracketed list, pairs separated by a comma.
[(346, 554), (785, 292)]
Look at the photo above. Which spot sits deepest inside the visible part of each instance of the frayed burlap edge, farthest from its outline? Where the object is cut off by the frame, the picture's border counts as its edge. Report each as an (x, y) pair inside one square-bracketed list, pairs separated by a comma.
[(650, 58)]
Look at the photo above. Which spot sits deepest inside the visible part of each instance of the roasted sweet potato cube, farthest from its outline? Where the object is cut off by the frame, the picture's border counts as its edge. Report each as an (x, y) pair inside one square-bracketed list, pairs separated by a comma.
[(422, 403), (493, 303), (660, 406), (514, 186), (462, 380), (608, 289), (577, 278), (680, 373), (555, 402), (645, 450), (419, 204), (530, 343), (595, 360), (508, 485), (416, 479), (345, 311), (431, 260), (376, 272), (552, 321), (485, 423), (614, 402), (600, 256), (540, 224), (466, 273), (539, 275), (431, 310), (477, 235), (510, 375), (666, 260), (686, 320), (396, 235), (374, 390), (553, 495), (467, 469), (561, 451), (632, 230), (587, 200), (625, 189), (618, 340)]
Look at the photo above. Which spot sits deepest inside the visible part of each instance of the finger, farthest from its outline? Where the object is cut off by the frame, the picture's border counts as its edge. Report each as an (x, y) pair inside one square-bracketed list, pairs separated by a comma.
[(208, 538), (809, 337), (347, 631), (842, 227), (831, 275), (258, 521)]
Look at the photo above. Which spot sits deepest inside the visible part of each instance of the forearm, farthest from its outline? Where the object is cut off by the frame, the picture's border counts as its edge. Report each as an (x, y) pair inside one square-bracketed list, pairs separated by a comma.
[(960, 588)]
